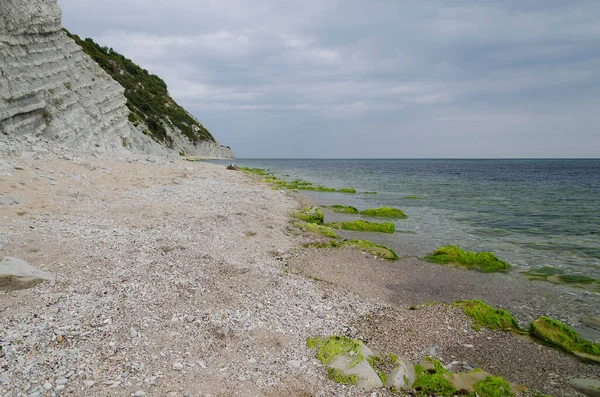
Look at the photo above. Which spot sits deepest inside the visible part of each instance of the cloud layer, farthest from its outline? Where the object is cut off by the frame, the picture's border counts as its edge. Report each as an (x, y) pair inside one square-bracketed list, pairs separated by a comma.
[(379, 78)]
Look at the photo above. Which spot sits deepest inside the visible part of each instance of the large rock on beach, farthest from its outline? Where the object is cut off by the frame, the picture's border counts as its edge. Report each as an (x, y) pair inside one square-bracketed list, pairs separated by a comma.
[(17, 274), (403, 376), (366, 377), (589, 387)]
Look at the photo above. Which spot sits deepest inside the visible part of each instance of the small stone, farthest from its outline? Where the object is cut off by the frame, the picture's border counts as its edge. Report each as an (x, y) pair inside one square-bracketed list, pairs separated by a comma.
[(189, 319), (59, 338), (468, 346), (186, 393), (59, 388), (139, 393), (294, 363), (47, 385), (62, 381), (89, 383), (177, 366), (133, 333)]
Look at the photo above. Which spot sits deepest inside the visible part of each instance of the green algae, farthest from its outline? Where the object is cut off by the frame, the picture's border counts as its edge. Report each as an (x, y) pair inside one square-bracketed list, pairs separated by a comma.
[(412, 197), (557, 276), (559, 335), (485, 262), (432, 381), (487, 316), (310, 214), (364, 226), (336, 376), (255, 171), (318, 229), (385, 212), (341, 209), (346, 190), (369, 192), (378, 250), (493, 386), (328, 349), (383, 364)]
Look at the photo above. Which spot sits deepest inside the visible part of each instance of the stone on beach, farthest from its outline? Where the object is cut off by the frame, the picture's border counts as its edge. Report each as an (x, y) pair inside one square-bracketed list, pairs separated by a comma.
[(366, 377), (16, 274), (589, 387)]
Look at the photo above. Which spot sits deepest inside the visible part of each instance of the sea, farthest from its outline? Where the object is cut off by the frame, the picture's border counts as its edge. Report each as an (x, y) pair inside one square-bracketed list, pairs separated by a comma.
[(530, 212)]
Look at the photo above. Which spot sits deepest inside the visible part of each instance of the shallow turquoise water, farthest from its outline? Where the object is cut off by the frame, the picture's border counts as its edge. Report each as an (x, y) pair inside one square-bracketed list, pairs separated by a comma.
[(531, 213)]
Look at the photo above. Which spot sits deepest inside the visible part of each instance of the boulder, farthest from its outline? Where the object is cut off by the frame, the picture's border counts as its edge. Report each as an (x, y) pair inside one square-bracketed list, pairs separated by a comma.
[(589, 387), (402, 376), (232, 167), (17, 274), (367, 378)]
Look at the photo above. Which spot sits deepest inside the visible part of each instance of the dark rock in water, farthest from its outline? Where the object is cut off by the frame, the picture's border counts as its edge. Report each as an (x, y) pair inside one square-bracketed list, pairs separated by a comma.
[(233, 167), (589, 387), (17, 274)]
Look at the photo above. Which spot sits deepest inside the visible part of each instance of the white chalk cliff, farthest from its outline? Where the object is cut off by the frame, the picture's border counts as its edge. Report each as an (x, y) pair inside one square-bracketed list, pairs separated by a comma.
[(53, 95)]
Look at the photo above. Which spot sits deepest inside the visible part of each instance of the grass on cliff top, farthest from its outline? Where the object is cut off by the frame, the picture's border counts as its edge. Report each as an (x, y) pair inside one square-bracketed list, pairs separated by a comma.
[(318, 229), (341, 209), (487, 316), (385, 212), (557, 334), (485, 262), (147, 97), (310, 215), (364, 226), (364, 245)]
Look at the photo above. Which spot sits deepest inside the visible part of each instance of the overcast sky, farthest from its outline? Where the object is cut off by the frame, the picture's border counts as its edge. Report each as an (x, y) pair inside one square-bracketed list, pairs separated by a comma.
[(379, 78)]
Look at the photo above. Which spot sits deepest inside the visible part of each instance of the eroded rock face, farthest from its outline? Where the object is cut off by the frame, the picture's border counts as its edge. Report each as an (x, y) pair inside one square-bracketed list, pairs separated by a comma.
[(17, 274), (51, 90)]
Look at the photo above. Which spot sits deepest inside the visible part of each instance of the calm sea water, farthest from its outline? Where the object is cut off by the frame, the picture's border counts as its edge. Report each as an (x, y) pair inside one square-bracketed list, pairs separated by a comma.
[(531, 213)]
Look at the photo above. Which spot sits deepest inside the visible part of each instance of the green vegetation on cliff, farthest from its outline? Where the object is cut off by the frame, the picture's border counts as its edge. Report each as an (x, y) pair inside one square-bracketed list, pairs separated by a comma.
[(147, 96)]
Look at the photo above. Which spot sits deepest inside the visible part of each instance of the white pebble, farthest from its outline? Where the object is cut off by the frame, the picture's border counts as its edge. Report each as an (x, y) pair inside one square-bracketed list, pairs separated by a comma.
[(177, 366), (47, 385), (139, 393)]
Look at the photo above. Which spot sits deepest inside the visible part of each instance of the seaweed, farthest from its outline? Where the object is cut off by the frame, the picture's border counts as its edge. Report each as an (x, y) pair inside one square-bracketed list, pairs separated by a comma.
[(493, 386), (343, 209), (559, 335), (310, 214), (485, 262), (364, 245), (346, 190), (328, 349), (432, 382), (487, 316), (364, 226), (384, 212), (318, 229)]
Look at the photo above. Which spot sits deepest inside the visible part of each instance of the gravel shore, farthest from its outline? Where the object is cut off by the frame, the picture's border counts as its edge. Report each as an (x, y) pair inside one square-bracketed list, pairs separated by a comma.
[(185, 279)]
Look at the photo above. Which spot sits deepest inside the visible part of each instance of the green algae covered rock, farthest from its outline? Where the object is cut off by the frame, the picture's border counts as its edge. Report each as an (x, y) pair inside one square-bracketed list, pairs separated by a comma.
[(364, 226), (346, 190), (341, 209), (493, 386), (487, 316), (318, 229), (430, 379), (378, 250), (310, 214), (346, 360), (384, 212), (485, 262), (559, 335)]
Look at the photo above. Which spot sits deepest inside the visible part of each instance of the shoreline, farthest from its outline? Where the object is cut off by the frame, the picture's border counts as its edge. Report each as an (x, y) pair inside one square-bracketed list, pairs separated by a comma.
[(185, 262)]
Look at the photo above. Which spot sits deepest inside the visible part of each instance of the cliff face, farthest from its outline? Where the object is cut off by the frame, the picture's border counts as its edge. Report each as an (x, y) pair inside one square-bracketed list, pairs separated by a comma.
[(54, 94)]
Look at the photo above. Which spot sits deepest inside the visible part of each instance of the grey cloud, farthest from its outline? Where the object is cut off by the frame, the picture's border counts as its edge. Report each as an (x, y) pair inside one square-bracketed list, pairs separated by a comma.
[(463, 78)]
